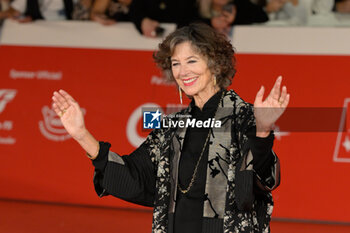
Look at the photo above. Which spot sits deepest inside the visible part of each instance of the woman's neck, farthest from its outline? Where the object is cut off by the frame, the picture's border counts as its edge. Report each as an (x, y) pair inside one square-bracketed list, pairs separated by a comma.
[(202, 98)]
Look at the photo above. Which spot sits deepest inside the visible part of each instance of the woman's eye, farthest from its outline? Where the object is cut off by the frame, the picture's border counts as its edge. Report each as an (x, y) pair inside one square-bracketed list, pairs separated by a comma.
[(192, 61), (174, 64)]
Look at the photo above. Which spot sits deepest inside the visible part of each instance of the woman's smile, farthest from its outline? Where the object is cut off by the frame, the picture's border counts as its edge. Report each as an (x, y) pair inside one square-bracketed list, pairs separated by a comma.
[(189, 81)]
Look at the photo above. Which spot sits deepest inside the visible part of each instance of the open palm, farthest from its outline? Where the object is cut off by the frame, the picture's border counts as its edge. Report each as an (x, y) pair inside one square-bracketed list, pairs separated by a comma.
[(268, 111), (70, 113)]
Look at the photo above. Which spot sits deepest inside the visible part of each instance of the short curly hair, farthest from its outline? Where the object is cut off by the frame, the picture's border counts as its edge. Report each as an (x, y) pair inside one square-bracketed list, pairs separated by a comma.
[(214, 46)]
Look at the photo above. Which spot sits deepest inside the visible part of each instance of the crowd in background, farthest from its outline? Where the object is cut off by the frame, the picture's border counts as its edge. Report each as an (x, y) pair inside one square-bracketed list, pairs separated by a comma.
[(147, 15)]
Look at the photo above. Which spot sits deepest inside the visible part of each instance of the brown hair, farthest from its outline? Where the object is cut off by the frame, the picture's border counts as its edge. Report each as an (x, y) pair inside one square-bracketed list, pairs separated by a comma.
[(213, 45)]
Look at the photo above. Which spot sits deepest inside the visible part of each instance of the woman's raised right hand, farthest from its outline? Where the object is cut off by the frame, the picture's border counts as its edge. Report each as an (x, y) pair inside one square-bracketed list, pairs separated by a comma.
[(70, 114)]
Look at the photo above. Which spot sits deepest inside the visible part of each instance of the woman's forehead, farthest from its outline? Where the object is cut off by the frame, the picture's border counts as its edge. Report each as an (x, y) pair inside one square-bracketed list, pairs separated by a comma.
[(184, 50)]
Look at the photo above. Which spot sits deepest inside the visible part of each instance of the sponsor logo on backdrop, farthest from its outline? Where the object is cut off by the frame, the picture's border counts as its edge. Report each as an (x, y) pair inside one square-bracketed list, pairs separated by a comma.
[(155, 80), (6, 96), (6, 125), (51, 126), (342, 145), (39, 74)]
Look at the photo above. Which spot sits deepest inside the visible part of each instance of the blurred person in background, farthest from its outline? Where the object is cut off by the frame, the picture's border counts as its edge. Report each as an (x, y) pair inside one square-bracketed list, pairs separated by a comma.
[(342, 6), (4, 9), (222, 14), (82, 10), (107, 12), (4, 5), (298, 12), (148, 14), (29, 10)]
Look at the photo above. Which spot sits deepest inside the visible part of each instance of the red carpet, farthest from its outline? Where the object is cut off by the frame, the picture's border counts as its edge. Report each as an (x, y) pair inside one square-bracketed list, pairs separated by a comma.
[(30, 217)]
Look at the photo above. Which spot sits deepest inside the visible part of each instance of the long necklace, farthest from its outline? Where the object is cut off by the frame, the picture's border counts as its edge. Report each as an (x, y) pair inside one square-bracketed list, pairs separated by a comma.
[(184, 191)]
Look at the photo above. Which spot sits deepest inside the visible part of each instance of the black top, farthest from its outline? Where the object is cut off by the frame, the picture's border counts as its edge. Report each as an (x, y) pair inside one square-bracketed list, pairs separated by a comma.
[(189, 206)]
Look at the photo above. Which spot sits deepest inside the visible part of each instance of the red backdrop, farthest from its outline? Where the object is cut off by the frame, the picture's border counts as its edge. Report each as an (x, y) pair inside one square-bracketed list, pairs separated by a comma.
[(40, 162)]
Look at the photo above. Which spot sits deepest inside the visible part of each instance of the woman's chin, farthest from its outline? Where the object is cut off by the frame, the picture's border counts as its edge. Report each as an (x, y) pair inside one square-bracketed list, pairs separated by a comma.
[(189, 92)]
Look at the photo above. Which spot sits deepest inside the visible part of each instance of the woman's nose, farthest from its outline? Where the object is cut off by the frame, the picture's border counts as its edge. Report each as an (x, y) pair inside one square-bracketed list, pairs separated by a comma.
[(183, 72)]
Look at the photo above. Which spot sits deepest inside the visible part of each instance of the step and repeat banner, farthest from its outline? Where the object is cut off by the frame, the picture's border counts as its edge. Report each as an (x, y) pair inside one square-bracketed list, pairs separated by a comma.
[(110, 72)]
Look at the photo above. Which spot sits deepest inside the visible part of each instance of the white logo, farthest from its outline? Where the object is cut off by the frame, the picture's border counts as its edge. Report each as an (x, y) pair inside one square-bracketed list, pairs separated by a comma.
[(51, 127), (6, 125), (151, 119), (342, 146), (131, 132), (6, 95)]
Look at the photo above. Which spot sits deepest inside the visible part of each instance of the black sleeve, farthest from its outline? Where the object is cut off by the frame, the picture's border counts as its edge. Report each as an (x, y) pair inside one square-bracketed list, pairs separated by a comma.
[(263, 158), (130, 177), (265, 162)]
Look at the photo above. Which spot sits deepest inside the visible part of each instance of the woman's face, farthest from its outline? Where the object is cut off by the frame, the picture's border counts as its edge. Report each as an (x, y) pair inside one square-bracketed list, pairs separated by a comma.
[(191, 71)]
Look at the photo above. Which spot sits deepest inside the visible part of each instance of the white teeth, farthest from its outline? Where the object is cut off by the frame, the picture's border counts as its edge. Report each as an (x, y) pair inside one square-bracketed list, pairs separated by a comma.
[(189, 80)]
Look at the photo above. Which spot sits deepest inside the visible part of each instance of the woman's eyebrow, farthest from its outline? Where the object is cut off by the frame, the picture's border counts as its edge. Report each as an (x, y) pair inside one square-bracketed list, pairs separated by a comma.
[(174, 59), (191, 57)]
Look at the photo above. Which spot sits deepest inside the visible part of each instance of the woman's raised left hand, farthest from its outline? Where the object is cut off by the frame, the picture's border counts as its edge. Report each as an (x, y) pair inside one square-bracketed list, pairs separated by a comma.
[(268, 111)]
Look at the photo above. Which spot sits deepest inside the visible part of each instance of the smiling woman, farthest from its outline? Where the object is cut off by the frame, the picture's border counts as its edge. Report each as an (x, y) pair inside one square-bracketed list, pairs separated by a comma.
[(200, 176), (192, 73)]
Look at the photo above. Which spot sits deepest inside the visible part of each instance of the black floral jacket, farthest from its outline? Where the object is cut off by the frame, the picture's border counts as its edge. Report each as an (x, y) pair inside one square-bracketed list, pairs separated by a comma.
[(148, 176)]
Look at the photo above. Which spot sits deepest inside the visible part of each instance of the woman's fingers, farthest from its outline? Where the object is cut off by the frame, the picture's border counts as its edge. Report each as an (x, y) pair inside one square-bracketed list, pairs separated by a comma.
[(259, 96), (286, 101), (62, 99), (66, 95), (276, 90), (57, 103), (283, 95), (57, 110)]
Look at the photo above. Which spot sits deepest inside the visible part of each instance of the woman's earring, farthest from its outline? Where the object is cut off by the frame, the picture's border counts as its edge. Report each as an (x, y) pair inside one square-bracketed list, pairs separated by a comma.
[(214, 81), (180, 93)]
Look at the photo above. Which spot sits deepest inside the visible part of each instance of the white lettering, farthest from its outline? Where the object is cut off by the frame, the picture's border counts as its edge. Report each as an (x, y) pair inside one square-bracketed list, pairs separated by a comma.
[(190, 122), (41, 74), (164, 124), (206, 124), (49, 75), (181, 124), (217, 124), (161, 81), (8, 140), (21, 74)]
